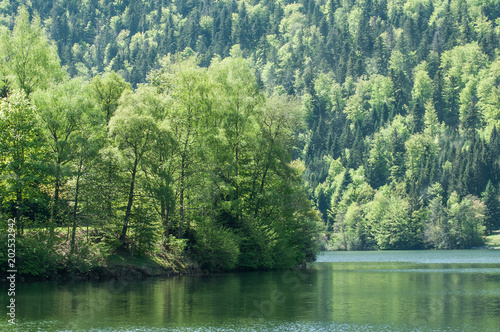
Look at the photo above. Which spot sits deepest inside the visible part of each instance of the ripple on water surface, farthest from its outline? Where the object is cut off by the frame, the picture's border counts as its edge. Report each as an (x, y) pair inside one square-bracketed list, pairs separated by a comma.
[(485, 256), (344, 291), (262, 326)]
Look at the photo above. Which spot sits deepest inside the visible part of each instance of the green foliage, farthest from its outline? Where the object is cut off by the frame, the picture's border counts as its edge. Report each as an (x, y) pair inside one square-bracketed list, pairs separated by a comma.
[(492, 208), (22, 153), (134, 130), (174, 245), (258, 247), (42, 255), (216, 248), (85, 256), (107, 90), (145, 227), (204, 124), (436, 226), (37, 254), (389, 218), (351, 230), (488, 94), (465, 222), (29, 61)]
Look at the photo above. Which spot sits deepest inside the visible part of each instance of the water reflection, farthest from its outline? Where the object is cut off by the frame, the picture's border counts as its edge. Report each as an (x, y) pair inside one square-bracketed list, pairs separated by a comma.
[(434, 299), (396, 295)]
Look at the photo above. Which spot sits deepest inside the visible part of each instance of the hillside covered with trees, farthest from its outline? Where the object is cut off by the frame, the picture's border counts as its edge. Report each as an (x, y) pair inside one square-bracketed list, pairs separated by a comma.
[(216, 124)]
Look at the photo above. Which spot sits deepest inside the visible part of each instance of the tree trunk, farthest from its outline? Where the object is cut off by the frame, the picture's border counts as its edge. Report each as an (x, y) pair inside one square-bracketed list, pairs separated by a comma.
[(108, 189), (75, 209), (55, 208), (181, 202), (184, 163), (165, 217), (54, 213), (130, 201), (261, 190), (19, 199)]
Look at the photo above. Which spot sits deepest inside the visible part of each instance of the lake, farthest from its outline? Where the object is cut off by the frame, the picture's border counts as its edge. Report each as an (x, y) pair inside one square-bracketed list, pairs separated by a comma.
[(342, 291)]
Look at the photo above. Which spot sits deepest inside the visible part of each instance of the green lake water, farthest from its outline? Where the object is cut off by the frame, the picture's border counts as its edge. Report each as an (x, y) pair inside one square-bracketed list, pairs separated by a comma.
[(342, 291)]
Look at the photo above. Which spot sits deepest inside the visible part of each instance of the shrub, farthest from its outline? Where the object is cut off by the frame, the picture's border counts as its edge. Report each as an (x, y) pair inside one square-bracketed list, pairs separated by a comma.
[(86, 256), (173, 245), (37, 254), (216, 248), (256, 247)]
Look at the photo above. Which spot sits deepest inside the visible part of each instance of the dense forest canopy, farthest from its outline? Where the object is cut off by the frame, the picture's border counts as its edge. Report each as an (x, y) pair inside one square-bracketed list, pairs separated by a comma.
[(210, 118)]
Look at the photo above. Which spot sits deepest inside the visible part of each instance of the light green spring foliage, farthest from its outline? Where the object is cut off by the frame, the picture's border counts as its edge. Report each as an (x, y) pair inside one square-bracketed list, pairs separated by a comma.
[(197, 153), (65, 109), (107, 90), (21, 145), (489, 94), (28, 59)]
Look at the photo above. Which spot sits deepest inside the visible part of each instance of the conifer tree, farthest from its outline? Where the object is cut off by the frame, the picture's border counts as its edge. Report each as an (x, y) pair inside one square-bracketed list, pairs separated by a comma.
[(492, 213)]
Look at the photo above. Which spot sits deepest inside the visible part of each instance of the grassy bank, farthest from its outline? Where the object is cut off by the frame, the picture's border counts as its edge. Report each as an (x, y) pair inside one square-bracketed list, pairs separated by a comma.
[(41, 255), (493, 240)]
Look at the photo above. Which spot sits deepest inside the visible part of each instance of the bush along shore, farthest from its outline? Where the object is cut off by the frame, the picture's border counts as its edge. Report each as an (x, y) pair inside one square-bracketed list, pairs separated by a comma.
[(41, 255), (47, 254)]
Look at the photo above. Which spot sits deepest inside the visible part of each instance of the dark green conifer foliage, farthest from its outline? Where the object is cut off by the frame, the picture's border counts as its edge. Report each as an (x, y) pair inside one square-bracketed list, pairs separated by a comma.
[(492, 213)]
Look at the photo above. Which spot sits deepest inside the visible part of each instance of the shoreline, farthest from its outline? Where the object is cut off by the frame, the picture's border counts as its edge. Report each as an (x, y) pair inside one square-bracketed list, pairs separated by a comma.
[(130, 270), (110, 271), (122, 266)]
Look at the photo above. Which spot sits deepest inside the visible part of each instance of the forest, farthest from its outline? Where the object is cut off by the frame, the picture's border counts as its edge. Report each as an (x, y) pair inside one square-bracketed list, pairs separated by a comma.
[(249, 132)]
